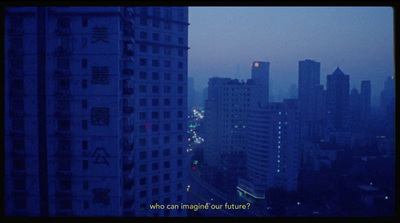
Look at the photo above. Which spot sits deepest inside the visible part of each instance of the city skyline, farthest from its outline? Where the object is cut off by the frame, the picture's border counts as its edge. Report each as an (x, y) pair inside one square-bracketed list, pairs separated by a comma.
[(224, 41)]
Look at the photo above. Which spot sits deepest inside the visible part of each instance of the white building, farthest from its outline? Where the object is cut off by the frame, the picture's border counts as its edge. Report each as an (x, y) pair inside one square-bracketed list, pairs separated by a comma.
[(273, 154), (95, 110)]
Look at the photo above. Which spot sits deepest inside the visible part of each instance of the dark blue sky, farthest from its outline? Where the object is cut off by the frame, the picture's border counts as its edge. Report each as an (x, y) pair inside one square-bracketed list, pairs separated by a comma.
[(357, 39)]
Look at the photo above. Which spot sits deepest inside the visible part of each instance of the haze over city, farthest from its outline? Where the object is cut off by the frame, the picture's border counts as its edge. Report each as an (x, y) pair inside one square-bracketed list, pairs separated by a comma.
[(225, 40)]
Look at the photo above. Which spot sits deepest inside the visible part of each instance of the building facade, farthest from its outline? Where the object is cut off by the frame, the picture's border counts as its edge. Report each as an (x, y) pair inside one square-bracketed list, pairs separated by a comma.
[(260, 75), (225, 119), (311, 100), (337, 102), (95, 110), (273, 151)]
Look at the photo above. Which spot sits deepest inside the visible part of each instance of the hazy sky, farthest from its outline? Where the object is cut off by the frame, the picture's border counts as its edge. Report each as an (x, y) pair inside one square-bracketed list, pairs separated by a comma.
[(359, 40)]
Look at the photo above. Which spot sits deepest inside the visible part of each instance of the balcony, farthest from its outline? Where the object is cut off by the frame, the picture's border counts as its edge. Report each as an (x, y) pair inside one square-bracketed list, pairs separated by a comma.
[(63, 153), (127, 109), (62, 133), (16, 31), (17, 133), (129, 53), (16, 92), (63, 193), (18, 152), (63, 92), (127, 167), (62, 72), (17, 113), (16, 52), (63, 32), (64, 173), (127, 90), (63, 51), (62, 114), (128, 201), (127, 71), (16, 72), (18, 173), (19, 192), (128, 128), (128, 184)]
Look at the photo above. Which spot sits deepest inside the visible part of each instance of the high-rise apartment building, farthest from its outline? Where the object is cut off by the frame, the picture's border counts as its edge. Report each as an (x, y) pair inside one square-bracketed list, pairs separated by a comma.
[(273, 153), (225, 119), (337, 101), (260, 75), (365, 99), (311, 100), (95, 110)]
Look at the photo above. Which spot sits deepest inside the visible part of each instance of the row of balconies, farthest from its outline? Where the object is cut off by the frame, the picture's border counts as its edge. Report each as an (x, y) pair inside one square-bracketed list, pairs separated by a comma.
[(16, 31), (63, 32), (16, 52)]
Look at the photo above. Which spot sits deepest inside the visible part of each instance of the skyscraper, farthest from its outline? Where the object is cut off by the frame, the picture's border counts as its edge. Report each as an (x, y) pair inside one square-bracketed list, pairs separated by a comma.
[(337, 90), (365, 99), (260, 75), (225, 119), (311, 100), (273, 153), (95, 110)]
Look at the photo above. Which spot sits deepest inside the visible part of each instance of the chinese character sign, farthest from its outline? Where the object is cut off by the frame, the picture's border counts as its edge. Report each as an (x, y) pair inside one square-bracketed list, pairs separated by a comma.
[(99, 34), (100, 116), (100, 74)]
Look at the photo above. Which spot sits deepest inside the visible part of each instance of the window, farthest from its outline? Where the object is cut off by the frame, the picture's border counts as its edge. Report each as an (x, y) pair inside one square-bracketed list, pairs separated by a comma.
[(143, 155), (167, 177), (154, 102), (166, 114), (143, 35), (179, 126), (20, 203), (154, 128), (84, 104), (156, 49), (86, 204), (180, 89), (143, 62), (142, 115), (180, 52), (84, 124), (156, 36), (84, 145), (155, 89), (180, 101), (142, 168), (142, 102), (142, 142), (143, 21), (155, 76), (85, 165), (179, 162), (143, 75), (167, 76), (154, 154), (154, 179), (143, 181), (62, 84), (155, 141), (180, 77), (154, 191), (84, 21), (65, 185), (155, 63), (180, 114), (18, 144), (166, 139), (154, 166), (84, 83), (167, 51), (167, 152), (167, 127), (143, 48), (154, 115), (167, 89), (156, 23), (180, 65), (63, 105), (167, 101), (179, 174), (180, 40), (84, 63), (142, 194), (63, 63), (167, 63), (66, 204), (85, 184), (63, 23), (167, 38), (63, 125), (142, 89), (19, 184)]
